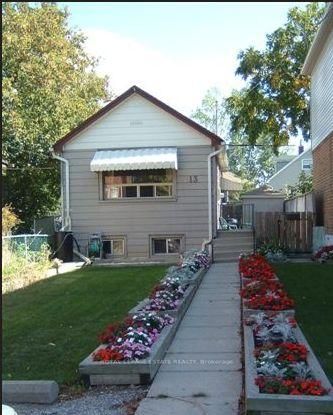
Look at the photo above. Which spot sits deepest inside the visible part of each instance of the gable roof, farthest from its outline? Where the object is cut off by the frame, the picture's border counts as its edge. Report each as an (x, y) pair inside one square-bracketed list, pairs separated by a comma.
[(215, 139), (325, 29), (290, 163)]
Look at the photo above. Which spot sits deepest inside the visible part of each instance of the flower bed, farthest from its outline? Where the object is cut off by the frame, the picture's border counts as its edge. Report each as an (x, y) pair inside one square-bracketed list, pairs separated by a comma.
[(131, 350), (175, 292), (324, 254), (281, 371), (261, 290), (255, 267), (192, 268)]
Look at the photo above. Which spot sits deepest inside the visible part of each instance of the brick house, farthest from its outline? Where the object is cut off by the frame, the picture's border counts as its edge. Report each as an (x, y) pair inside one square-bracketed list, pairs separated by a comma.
[(319, 65)]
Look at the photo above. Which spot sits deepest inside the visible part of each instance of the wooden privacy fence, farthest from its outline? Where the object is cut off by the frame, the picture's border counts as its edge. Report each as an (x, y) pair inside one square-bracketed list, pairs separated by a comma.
[(303, 203), (291, 230)]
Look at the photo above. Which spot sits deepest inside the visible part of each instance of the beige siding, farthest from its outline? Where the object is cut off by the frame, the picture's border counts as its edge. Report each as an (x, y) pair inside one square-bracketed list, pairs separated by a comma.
[(138, 123), (186, 215), (322, 95)]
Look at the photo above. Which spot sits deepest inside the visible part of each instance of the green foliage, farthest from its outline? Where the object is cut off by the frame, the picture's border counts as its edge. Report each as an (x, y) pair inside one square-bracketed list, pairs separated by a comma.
[(303, 185), (9, 220), (21, 268), (274, 251), (253, 164), (49, 86), (212, 113), (311, 286), (275, 101)]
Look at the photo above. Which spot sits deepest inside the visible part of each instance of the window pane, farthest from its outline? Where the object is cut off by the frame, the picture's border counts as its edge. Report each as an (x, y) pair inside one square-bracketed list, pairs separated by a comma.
[(112, 192), (146, 191), (129, 191), (307, 164), (118, 247), (107, 247), (152, 176), (173, 246), (159, 246), (165, 190)]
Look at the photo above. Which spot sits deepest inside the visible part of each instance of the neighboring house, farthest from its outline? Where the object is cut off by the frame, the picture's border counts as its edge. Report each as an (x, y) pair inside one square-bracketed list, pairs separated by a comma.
[(138, 176), (319, 65), (282, 161), (288, 175)]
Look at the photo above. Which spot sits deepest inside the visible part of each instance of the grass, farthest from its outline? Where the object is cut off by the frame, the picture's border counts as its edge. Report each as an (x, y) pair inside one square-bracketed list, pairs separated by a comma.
[(311, 286), (50, 326)]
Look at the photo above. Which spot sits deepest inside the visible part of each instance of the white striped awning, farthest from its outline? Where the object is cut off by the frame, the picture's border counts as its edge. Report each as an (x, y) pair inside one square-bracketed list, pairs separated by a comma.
[(135, 159)]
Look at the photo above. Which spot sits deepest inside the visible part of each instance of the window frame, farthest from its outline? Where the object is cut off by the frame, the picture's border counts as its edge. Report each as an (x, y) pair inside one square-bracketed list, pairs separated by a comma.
[(112, 238), (181, 238), (172, 184), (310, 161)]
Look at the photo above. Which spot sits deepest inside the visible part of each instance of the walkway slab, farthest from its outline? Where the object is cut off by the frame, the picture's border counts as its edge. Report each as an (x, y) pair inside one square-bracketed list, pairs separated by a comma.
[(210, 321), (207, 384), (213, 333), (201, 372), (205, 345), (185, 406), (198, 362)]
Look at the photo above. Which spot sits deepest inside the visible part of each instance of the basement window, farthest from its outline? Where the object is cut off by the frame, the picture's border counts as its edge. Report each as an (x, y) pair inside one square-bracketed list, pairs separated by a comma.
[(166, 245), (113, 246)]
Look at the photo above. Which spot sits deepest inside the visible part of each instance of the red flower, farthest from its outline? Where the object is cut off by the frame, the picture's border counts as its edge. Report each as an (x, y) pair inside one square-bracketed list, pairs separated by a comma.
[(290, 387), (107, 355)]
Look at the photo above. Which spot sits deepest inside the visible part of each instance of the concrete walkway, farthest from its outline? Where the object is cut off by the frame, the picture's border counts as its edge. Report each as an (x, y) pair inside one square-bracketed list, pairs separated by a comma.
[(201, 372)]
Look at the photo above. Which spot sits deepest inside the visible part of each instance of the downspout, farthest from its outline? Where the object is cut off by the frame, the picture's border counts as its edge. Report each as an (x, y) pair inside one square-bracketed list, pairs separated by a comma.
[(210, 220), (67, 220)]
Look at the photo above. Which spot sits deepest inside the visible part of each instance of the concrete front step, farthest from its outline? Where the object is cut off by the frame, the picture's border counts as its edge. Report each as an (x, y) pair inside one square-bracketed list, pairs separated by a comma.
[(233, 252), (232, 234), (226, 258), (233, 241)]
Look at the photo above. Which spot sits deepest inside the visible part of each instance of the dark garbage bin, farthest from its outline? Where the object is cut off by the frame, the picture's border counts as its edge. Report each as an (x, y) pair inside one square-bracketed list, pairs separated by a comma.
[(64, 246)]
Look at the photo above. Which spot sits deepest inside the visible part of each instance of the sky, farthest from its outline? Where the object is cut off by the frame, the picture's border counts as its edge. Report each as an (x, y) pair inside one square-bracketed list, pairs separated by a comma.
[(175, 51)]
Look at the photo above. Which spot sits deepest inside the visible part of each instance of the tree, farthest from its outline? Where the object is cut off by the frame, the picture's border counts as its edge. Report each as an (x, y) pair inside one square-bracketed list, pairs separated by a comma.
[(254, 164), (49, 86), (275, 101), (303, 185), (212, 112), (9, 220)]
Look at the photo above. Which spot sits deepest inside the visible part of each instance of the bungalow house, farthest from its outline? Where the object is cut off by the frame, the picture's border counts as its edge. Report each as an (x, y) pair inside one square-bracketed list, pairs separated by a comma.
[(143, 177), (289, 173), (319, 65)]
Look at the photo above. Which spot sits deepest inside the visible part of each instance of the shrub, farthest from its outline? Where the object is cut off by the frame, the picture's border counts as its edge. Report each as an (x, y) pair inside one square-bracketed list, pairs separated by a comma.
[(9, 220), (20, 270)]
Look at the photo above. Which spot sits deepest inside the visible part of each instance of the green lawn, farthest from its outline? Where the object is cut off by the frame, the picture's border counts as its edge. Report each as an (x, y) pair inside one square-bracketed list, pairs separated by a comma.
[(50, 326), (311, 286)]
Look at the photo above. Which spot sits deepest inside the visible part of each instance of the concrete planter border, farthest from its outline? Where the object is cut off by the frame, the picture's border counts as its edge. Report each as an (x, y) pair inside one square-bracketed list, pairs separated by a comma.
[(197, 277), (284, 404), (134, 372), (29, 391), (247, 312), (176, 313)]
